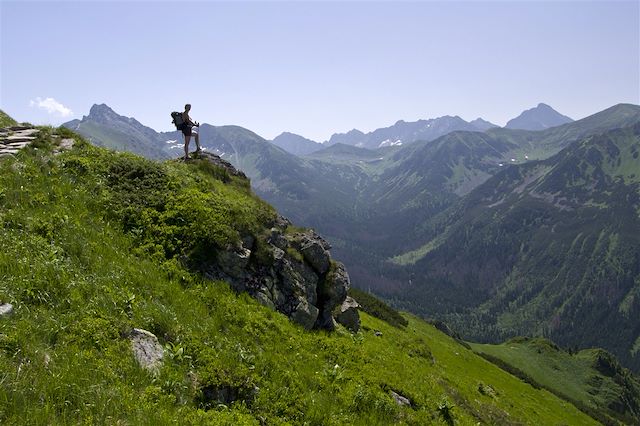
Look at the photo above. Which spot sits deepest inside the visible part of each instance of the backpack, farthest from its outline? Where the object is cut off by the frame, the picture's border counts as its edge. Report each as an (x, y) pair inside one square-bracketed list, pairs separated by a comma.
[(177, 119)]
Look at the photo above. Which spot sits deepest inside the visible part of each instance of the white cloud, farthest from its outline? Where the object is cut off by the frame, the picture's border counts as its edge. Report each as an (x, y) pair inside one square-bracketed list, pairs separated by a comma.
[(52, 106)]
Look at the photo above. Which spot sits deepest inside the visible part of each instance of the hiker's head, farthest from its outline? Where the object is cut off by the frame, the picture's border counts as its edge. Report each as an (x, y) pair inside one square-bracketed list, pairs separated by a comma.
[(187, 107)]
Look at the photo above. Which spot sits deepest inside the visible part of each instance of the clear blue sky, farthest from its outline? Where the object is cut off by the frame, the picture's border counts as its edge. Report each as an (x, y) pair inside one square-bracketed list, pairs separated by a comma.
[(316, 68)]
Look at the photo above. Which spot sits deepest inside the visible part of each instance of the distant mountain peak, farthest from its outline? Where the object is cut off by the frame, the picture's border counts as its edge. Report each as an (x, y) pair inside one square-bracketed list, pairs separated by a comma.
[(540, 117), (101, 110), (296, 144), (482, 124)]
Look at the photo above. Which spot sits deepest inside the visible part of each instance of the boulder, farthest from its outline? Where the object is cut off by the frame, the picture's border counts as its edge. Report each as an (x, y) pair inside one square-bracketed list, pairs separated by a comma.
[(6, 309), (348, 314), (147, 349), (305, 314), (314, 249), (399, 399)]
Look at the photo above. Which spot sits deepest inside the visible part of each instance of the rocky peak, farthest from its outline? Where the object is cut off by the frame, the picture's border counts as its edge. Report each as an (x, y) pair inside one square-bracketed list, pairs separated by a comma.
[(102, 112)]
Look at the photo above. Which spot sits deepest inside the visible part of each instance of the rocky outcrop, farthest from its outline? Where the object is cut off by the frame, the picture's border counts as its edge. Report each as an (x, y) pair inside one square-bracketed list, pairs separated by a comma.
[(217, 161), (147, 349), (15, 138), (289, 270)]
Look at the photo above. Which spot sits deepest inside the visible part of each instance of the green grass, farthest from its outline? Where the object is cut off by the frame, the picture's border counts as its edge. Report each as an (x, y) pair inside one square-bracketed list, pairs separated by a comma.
[(411, 257), (6, 120), (377, 308), (590, 378), (92, 244)]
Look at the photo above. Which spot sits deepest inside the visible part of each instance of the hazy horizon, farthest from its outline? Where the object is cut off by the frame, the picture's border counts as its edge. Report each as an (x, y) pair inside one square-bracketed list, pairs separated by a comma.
[(317, 68)]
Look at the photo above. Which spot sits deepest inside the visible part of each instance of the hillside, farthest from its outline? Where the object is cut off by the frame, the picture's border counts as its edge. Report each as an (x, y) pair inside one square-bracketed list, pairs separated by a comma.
[(546, 248), (97, 247), (590, 378), (6, 120)]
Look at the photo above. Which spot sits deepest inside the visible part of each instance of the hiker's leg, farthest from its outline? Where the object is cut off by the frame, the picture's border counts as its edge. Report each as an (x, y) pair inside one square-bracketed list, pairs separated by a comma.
[(197, 136), (187, 139)]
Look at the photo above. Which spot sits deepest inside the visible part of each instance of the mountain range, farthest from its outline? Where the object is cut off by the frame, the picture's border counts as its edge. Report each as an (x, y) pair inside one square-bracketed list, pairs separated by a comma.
[(402, 132), (415, 224)]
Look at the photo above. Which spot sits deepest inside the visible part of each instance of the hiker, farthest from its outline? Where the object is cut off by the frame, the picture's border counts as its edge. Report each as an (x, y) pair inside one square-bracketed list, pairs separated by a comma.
[(187, 131)]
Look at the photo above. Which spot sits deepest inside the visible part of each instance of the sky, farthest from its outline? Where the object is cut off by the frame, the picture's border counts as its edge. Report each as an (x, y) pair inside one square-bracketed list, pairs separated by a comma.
[(316, 68)]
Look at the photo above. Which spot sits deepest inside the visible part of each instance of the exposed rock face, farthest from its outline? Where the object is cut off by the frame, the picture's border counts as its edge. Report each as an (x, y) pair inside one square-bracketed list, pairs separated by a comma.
[(291, 272), (306, 286), (348, 314), (146, 349)]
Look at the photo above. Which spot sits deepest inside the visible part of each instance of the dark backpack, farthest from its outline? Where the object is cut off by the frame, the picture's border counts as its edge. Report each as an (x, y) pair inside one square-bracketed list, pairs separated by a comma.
[(177, 119)]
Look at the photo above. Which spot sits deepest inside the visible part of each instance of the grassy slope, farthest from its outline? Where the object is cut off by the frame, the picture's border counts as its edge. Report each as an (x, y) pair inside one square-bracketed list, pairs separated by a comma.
[(79, 284), (5, 120), (575, 376)]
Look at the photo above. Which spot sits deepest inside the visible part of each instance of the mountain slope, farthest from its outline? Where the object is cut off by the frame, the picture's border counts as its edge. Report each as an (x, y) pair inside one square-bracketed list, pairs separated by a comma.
[(547, 248), (590, 378), (90, 255), (539, 118)]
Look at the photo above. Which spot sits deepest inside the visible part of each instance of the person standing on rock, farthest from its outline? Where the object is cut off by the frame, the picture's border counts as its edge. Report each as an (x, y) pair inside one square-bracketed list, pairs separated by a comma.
[(187, 131)]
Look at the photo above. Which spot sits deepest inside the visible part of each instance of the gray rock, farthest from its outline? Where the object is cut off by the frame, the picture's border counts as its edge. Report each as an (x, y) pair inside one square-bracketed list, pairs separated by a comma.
[(305, 314), (348, 315), (234, 261), (265, 298), (282, 222), (277, 239), (17, 145), (331, 293), (146, 349), (316, 255), (18, 138), (399, 399), (66, 143), (6, 309), (278, 254)]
